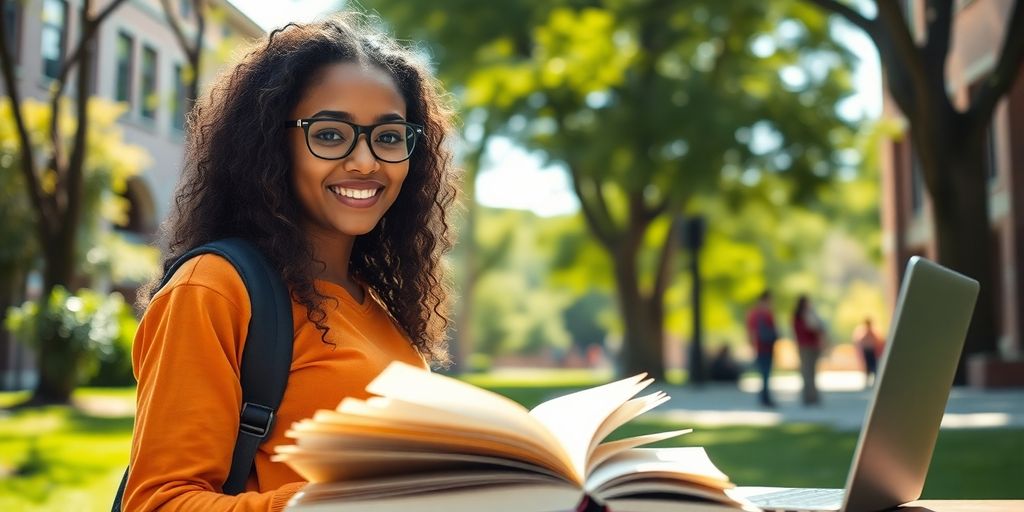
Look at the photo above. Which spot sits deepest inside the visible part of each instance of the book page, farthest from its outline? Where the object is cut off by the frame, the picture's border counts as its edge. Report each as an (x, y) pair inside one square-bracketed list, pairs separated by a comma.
[(399, 412), (673, 490), (417, 484), (629, 411), (619, 417), (499, 498), (641, 505), (348, 436), (321, 467), (685, 464), (575, 419), (607, 450), (451, 396)]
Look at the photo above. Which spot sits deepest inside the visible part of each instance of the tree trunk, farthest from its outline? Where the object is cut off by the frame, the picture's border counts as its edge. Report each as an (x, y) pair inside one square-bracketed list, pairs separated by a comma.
[(12, 286), (59, 362), (964, 238), (643, 340), (58, 372)]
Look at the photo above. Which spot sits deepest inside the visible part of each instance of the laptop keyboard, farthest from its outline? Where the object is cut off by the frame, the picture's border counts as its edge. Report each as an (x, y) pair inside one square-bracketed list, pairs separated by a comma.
[(800, 499)]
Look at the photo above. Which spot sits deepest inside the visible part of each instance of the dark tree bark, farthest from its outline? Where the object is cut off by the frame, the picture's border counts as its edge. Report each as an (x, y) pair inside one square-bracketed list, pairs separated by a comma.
[(948, 142), (193, 49), (643, 311)]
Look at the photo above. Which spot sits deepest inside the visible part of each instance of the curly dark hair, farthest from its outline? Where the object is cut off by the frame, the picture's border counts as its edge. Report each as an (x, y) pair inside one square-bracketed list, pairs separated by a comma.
[(237, 176)]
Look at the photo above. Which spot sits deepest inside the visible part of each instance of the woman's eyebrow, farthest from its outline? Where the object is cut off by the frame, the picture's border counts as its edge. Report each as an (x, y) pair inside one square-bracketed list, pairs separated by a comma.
[(345, 116), (383, 118)]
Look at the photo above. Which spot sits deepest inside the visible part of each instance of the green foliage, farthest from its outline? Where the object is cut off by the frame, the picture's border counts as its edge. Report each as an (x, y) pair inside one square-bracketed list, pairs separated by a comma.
[(515, 312), (725, 109), (583, 319), (91, 328), (17, 220), (110, 163), (123, 260)]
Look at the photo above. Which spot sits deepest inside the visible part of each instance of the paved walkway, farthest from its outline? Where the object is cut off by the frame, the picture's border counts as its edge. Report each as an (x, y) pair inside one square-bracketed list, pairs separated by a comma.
[(844, 402)]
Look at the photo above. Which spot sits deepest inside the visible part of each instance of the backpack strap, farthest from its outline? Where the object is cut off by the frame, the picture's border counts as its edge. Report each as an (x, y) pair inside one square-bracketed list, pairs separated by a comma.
[(266, 357)]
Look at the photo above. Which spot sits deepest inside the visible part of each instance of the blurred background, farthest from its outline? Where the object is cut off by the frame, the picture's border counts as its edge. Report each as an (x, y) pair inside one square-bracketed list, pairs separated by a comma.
[(636, 174)]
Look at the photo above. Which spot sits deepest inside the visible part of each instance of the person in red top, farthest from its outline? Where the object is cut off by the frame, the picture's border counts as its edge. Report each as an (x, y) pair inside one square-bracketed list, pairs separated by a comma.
[(762, 335), (810, 335)]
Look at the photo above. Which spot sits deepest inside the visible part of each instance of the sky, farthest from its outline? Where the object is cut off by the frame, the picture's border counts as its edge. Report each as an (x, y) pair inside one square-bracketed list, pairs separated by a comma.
[(516, 178)]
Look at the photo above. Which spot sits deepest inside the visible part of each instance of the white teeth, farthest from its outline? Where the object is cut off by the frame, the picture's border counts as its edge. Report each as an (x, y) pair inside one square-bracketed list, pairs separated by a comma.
[(355, 193)]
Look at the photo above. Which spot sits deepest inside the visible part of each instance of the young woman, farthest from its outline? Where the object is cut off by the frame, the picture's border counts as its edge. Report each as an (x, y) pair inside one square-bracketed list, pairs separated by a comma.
[(325, 148)]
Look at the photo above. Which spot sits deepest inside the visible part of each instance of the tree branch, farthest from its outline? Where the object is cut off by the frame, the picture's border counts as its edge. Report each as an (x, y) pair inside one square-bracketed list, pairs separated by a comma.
[(89, 28), (867, 25), (655, 211), (175, 23), (28, 165), (197, 55), (939, 15), (897, 47), (665, 259), (1006, 70), (905, 50), (75, 169), (597, 216)]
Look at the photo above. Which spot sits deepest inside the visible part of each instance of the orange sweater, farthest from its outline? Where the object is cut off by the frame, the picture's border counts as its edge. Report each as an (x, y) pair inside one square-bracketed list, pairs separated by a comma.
[(186, 357)]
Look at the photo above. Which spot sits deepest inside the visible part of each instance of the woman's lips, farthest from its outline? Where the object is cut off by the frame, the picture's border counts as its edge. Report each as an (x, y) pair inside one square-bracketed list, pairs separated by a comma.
[(357, 194)]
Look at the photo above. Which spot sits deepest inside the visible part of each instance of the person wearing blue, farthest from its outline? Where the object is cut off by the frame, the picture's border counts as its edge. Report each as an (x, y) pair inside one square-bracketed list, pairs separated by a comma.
[(762, 334)]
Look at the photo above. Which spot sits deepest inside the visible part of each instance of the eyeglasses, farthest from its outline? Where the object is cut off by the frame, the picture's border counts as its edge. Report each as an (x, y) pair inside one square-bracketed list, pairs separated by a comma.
[(334, 139)]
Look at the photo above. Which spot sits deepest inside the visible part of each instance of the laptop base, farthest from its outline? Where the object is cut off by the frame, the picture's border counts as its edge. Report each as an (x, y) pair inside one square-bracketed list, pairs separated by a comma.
[(791, 499)]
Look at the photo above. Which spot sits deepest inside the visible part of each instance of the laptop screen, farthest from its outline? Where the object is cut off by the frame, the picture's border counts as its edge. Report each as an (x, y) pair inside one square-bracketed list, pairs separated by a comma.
[(917, 367)]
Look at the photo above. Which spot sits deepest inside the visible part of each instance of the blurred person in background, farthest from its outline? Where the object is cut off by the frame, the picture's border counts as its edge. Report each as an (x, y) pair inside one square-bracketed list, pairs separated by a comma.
[(724, 367), (810, 333), (870, 345), (762, 334)]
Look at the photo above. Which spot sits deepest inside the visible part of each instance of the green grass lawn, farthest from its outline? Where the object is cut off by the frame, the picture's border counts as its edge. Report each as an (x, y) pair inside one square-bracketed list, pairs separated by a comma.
[(58, 458)]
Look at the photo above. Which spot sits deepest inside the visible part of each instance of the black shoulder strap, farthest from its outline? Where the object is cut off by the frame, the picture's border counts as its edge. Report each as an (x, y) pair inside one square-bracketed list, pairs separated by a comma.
[(266, 357)]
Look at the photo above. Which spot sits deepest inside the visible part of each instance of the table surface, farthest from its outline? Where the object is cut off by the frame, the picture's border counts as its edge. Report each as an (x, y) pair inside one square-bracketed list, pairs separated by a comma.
[(964, 506)]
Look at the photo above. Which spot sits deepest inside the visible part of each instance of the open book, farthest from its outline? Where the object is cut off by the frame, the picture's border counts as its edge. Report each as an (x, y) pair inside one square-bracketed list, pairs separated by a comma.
[(430, 442)]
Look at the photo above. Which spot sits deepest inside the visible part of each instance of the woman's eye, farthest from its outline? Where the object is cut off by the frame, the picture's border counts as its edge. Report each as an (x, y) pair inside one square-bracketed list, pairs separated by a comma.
[(330, 136), (389, 138)]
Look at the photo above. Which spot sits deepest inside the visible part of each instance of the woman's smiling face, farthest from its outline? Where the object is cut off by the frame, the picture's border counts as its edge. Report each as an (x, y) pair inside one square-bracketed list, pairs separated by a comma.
[(349, 196)]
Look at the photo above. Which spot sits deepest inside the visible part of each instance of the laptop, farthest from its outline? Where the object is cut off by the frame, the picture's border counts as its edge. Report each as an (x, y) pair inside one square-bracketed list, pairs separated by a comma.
[(902, 422)]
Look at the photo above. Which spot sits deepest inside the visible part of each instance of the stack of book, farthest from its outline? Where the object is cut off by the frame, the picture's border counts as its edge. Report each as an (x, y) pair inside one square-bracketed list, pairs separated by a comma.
[(430, 442)]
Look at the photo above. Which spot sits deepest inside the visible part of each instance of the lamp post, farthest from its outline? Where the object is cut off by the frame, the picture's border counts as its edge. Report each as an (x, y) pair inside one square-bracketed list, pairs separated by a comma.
[(693, 238)]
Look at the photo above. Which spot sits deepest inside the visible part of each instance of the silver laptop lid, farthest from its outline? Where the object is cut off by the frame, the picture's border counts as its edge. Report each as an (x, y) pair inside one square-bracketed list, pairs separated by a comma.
[(891, 461)]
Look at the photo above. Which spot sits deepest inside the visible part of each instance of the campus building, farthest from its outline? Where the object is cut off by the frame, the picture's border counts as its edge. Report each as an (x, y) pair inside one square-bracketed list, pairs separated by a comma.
[(137, 61), (907, 229)]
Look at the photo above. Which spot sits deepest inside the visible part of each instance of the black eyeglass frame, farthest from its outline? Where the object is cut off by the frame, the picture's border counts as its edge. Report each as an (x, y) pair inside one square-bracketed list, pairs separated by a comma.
[(359, 129)]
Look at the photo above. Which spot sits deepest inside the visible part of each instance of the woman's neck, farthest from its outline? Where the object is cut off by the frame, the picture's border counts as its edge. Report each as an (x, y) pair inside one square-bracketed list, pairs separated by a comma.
[(331, 257)]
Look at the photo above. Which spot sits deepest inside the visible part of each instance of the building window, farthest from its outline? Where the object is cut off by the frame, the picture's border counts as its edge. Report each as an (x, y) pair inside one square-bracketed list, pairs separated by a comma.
[(179, 97), (149, 92), (125, 65), (53, 32), (12, 13), (916, 183)]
